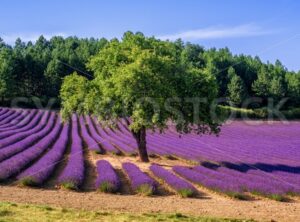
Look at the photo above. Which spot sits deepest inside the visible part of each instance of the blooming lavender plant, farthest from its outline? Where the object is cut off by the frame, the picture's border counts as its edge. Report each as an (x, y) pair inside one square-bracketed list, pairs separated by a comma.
[(104, 142), (21, 135), (212, 180), (26, 124), (107, 180), (90, 141), (183, 188), (19, 161), (21, 145), (140, 182), (38, 173), (73, 174)]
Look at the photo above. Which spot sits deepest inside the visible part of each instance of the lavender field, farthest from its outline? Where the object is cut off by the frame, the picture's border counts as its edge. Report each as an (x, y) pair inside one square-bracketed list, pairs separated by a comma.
[(257, 159)]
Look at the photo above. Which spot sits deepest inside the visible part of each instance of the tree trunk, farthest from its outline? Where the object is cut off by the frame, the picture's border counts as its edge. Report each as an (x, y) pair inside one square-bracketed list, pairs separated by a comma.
[(140, 138)]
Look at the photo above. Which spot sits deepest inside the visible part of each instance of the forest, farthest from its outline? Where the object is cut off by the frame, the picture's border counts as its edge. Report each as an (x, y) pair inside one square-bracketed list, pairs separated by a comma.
[(37, 69)]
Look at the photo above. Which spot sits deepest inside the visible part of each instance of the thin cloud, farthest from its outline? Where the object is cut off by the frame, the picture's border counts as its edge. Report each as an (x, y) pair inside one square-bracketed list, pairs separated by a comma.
[(26, 37), (247, 30)]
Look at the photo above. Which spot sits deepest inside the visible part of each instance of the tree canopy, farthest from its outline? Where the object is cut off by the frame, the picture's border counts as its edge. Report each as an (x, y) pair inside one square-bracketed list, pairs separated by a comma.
[(148, 81)]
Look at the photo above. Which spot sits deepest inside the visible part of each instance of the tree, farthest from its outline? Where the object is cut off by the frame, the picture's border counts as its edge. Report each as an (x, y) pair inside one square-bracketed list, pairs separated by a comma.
[(221, 60), (277, 88), (73, 93), (236, 88), (2, 43), (293, 87), (145, 81), (262, 83), (6, 73)]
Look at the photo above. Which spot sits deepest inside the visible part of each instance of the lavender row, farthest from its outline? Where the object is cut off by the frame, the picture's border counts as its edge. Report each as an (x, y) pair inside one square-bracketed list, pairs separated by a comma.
[(15, 116), (262, 183), (116, 141), (181, 186), (3, 111), (21, 135), (73, 174), (140, 182), (103, 142), (17, 120), (41, 131), (21, 126), (90, 141), (38, 173), (107, 180), (16, 163), (6, 115), (216, 182)]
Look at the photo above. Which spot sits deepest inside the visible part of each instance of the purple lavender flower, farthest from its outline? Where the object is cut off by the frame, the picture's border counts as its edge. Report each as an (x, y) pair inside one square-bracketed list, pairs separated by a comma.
[(21, 135), (184, 188), (140, 182), (16, 163), (44, 167), (107, 179), (73, 174), (38, 133), (104, 143), (90, 141), (212, 180)]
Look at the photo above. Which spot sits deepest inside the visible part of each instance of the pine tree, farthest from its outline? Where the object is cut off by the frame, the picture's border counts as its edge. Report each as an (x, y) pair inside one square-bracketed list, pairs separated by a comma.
[(236, 88)]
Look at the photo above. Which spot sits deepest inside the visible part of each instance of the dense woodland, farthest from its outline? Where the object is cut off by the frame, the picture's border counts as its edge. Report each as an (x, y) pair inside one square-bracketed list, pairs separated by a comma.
[(37, 69)]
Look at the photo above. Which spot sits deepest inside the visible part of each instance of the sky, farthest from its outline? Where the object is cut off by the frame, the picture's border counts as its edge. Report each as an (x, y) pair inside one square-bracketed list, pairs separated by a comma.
[(268, 28)]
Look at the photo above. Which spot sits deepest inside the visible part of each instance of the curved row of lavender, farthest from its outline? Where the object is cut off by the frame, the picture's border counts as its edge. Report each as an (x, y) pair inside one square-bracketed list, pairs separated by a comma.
[(140, 182), (38, 173), (19, 144), (16, 163), (181, 186), (73, 174), (103, 142), (107, 180)]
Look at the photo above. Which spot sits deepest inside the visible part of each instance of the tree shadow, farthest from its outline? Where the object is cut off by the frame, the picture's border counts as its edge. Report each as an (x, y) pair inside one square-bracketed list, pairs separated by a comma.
[(244, 167)]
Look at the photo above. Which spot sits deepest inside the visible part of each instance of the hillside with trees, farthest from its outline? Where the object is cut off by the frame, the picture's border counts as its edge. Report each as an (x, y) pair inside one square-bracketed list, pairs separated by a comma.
[(37, 69)]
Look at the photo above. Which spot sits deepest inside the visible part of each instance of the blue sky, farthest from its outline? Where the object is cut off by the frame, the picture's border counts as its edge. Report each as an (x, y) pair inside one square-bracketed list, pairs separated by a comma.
[(269, 29)]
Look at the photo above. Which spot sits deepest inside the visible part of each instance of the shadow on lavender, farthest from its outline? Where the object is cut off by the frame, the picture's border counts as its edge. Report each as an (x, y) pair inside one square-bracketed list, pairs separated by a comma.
[(244, 167)]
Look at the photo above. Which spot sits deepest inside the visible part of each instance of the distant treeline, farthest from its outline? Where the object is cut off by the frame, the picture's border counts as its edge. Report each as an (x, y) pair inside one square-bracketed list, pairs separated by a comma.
[(37, 70)]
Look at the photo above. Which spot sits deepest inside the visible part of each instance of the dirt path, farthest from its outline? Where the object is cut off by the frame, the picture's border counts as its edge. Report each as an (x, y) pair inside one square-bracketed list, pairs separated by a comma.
[(213, 205)]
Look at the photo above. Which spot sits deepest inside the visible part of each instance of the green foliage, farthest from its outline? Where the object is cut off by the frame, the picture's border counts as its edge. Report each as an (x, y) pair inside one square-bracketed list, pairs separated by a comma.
[(7, 80), (260, 113), (272, 82), (145, 190), (236, 88), (69, 186), (277, 88), (28, 181), (147, 80), (293, 87), (38, 69), (135, 78), (72, 94), (237, 195), (261, 85), (186, 193), (40, 213), (107, 187)]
